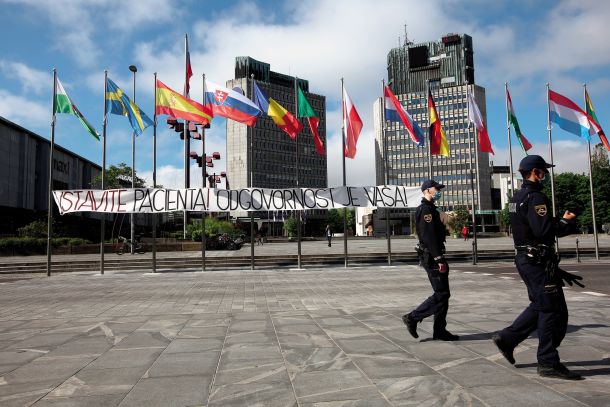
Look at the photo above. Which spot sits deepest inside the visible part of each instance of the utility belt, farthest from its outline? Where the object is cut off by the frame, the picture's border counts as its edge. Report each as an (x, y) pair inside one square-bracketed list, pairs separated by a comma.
[(545, 256), (424, 253), (538, 254)]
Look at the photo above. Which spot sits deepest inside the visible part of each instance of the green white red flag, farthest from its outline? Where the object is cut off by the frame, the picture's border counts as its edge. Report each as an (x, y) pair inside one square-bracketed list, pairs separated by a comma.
[(63, 104)]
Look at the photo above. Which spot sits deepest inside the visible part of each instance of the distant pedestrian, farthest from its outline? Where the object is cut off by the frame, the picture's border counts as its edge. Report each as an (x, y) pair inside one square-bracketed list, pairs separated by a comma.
[(329, 235), (465, 232), (431, 233)]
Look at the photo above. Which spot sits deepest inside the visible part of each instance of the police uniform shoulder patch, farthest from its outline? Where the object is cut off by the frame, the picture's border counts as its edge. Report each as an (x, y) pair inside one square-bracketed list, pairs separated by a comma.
[(540, 209), (428, 218)]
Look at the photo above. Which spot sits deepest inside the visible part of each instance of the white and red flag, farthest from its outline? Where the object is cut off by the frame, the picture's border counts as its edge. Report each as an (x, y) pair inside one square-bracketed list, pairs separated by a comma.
[(474, 115), (352, 125)]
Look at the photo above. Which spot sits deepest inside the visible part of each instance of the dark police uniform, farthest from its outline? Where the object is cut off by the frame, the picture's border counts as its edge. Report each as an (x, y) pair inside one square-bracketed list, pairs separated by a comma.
[(534, 232), (431, 232)]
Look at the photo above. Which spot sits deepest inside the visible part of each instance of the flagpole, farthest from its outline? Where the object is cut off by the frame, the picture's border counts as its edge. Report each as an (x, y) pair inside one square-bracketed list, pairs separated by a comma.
[(510, 147), (133, 69), (428, 95), (203, 183), (251, 177), (154, 175), (103, 215), (476, 160), (591, 184), (187, 147), (387, 169), (49, 202), (298, 213), (548, 104), (344, 178), (474, 203)]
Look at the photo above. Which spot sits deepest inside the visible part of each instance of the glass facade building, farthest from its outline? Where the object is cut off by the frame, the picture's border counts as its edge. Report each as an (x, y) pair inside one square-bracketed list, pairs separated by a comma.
[(446, 68)]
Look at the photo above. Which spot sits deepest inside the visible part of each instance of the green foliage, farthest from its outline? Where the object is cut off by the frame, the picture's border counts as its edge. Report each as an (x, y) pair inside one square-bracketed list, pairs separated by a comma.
[(505, 218), (213, 227), (31, 245), (118, 176), (335, 219), (291, 227), (460, 218), (38, 229), (572, 192)]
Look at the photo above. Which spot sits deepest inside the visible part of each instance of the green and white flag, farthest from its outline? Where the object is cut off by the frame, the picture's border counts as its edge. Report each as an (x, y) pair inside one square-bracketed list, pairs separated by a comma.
[(63, 104)]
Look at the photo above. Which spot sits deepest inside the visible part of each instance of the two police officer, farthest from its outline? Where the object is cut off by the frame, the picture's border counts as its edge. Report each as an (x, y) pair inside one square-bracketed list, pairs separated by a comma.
[(431, 232), (534, 234)]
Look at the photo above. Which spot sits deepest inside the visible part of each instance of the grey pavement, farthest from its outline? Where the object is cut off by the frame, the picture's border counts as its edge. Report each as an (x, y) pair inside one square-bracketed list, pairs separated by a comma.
[(315, 337)]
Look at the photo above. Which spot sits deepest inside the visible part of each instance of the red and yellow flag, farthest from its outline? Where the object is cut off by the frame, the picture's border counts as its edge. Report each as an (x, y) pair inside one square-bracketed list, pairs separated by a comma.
[(438, 140), (173, 104)]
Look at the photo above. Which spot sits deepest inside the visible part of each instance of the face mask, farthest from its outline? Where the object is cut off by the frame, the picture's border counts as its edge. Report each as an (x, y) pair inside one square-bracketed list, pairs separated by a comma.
[(437, 195)]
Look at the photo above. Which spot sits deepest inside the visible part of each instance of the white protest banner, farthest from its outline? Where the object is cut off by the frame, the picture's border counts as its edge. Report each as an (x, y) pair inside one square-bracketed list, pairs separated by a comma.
[(155, 200)]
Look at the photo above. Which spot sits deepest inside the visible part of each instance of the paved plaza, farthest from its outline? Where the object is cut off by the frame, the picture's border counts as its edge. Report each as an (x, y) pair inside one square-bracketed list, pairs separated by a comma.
[(315, 337)]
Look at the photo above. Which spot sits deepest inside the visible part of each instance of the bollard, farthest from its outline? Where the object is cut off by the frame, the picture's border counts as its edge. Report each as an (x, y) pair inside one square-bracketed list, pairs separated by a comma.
[(577, 252)]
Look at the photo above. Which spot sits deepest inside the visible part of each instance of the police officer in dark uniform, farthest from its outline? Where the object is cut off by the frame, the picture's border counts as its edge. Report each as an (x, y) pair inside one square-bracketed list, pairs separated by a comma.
[(431, 232), (534, 232)]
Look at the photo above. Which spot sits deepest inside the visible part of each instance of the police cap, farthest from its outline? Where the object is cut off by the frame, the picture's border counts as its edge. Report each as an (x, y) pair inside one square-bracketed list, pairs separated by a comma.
[(531, 162), (431, 184)]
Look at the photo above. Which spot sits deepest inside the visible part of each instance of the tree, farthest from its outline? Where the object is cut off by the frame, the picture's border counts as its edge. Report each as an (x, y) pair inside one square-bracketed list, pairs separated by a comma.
[(118, 176), (505, 218), (290, 226), (601, 174), (458, 219), (335, 219), (571, 193)]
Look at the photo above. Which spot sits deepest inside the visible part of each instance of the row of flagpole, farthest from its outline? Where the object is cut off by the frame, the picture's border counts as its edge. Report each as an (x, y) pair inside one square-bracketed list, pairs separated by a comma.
[(350, 131)]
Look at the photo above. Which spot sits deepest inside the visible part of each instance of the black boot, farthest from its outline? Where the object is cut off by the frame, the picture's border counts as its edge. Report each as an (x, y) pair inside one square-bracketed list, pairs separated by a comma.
[(558, 371), (445, 336), (504, 350), (411, 325)]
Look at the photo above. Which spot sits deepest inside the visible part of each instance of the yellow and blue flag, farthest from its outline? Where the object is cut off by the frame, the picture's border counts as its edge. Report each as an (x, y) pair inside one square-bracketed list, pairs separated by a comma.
[(117, 102)]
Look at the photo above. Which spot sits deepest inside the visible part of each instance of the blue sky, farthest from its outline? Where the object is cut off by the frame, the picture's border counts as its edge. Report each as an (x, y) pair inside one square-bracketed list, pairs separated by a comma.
[(527, 43)]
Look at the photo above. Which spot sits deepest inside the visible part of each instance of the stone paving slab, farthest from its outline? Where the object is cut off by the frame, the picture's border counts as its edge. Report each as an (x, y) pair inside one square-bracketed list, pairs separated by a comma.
[(316, 337)]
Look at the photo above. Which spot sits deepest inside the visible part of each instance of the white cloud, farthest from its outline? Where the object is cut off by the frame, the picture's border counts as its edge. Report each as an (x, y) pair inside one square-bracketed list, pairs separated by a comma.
[(79, 25), (328, 40), (31, 80), (24, 111)]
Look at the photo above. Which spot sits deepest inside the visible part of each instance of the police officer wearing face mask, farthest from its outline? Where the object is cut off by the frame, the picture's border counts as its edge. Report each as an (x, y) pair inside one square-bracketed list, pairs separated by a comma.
[(534, 232), (431, 233)]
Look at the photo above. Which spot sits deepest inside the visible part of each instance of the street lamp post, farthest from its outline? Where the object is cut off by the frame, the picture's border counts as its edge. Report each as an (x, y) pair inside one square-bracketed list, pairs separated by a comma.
[(133, 69)]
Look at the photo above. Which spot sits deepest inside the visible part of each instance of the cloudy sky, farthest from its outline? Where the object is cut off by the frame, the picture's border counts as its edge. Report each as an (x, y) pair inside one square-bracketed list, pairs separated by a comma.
[(526, 43)]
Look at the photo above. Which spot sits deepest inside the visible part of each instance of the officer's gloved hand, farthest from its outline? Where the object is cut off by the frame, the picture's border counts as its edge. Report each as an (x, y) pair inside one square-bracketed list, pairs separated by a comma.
[(570, 278), (442, 264)]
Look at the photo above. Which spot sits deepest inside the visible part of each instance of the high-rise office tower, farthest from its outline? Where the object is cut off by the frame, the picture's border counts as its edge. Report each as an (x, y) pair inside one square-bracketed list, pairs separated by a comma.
[(273, 155), (446, 67)]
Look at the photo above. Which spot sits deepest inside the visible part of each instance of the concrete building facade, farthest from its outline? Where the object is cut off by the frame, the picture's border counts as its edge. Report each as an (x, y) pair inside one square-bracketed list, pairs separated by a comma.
[(273, 155)]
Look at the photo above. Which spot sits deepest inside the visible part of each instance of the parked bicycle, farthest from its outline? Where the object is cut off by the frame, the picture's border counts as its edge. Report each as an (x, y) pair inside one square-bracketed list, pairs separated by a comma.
[(124, 246)]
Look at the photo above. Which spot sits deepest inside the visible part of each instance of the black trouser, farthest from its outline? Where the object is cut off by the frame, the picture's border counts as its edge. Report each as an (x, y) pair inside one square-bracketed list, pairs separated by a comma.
[(329, 240), (438, 303), (547, 312)]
